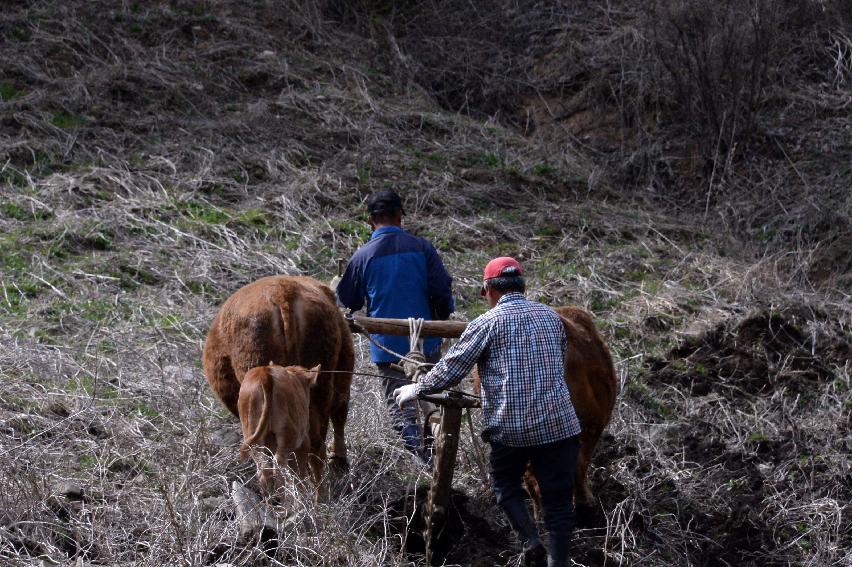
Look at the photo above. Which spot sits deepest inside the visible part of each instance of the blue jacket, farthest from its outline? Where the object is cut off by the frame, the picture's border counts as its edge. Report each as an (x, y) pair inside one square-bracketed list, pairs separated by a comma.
[(400, 275)]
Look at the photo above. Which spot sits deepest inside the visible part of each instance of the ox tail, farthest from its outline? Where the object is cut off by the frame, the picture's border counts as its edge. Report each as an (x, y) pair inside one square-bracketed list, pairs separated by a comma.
[(263, 422)]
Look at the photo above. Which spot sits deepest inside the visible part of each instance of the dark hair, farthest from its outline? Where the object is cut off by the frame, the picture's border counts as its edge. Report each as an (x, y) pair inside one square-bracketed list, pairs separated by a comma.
[(506, 284), (386, 201), (385, 216)]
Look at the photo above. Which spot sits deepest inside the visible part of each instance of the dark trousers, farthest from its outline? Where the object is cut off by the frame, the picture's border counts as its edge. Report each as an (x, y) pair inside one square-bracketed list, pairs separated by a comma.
[(404, 419), (555, 468)]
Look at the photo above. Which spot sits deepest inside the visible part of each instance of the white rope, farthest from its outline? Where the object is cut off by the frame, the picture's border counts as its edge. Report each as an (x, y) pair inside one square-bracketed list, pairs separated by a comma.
[(414, 328)]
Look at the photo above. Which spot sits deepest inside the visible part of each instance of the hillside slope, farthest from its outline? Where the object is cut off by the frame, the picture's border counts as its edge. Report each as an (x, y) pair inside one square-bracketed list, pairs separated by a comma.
[(155, 156)]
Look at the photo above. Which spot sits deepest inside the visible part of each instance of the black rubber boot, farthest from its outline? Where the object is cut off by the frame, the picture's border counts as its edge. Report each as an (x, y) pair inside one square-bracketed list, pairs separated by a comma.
[(559, 549), (521, 521), (535, 556)]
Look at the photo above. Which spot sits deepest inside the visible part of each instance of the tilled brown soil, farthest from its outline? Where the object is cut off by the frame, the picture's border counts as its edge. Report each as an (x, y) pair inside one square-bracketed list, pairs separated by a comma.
[(774, 438)]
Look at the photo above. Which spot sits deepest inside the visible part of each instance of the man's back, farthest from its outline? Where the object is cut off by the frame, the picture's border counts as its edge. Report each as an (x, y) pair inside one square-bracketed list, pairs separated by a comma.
[(400, 275), (525, 399), (519, 349)]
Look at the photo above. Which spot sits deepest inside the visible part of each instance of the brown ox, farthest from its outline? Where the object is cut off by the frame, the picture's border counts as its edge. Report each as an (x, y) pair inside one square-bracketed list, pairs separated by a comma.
[(590, 376), (286, 320), (274, 410)]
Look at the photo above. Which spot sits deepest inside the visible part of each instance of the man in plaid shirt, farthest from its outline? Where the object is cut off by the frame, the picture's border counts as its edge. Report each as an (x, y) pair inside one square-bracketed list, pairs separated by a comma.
[(519, 349)]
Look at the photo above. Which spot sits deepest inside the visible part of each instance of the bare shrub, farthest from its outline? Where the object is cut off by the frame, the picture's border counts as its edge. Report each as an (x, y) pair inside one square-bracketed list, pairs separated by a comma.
[(715, 59)]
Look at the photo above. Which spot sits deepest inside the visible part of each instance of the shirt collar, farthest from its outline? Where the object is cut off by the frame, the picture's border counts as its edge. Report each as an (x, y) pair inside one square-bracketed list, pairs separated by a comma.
[(384, 230), (511, 296)]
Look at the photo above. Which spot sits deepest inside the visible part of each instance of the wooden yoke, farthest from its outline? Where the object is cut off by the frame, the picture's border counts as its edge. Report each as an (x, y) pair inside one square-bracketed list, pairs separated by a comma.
[(445, 329)]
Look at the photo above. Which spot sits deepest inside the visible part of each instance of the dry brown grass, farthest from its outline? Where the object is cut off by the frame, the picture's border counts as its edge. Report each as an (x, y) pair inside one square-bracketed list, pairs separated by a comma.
[(156, 157)]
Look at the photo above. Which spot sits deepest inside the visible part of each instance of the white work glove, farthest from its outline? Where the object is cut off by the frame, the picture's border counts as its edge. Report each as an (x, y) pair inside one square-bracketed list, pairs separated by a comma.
[(405, 394)]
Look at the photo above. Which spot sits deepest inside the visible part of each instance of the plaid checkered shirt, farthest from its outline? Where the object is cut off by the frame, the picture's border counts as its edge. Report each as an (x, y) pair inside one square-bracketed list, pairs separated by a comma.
[(519, 349)]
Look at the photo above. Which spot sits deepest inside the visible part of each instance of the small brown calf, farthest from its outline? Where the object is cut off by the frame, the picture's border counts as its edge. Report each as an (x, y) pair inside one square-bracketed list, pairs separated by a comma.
[(274, 410), (288, 320)]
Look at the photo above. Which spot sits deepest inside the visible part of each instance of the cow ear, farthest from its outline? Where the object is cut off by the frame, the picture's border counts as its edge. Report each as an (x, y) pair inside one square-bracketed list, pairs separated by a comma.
[(313, 373)]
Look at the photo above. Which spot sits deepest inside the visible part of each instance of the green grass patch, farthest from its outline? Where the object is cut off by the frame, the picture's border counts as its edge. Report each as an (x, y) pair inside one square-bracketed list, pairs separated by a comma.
[(66, 121), (643, 394), (548, 230), (556, 265), (144, 410), (15, 296), (106, 347), (16, 403), (18, 212), (475, 309), (129, 464), (96, 310), (29, 288), (257, 219), (196, 287), (23, 424), (544, 170), (435, 158), (636, 275), (13, 177), (486, 159), (508, 218), (757, 437), (21, 33), (8, 92), (69, 243), (622, 332), (138, 275), (640, 252), (46, 336), (203, 212), (651, 286), (172, 321), (101, 240), (469, 302), (89, 386), (87, 461), (602, 302), (364, 172), (361, 231), (10, 259)]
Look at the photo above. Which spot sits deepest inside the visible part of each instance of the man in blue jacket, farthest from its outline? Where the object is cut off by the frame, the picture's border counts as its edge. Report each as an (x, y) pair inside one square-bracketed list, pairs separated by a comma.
[(399, 275)]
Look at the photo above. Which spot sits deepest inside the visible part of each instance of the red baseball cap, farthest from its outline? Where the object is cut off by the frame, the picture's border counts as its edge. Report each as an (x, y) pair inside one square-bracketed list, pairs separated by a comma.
[(502, 266)]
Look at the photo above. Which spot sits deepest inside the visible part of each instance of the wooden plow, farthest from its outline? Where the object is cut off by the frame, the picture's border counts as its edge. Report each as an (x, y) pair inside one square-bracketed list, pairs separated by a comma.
[(451, 403)]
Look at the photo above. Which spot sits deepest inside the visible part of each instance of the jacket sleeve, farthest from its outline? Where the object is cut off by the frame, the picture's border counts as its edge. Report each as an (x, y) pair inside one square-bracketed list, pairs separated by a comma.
[(351, 288), (440, 286), (459, 360)]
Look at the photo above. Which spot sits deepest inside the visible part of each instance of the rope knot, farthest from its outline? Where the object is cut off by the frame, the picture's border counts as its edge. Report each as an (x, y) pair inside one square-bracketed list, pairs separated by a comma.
[(413, 365)]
